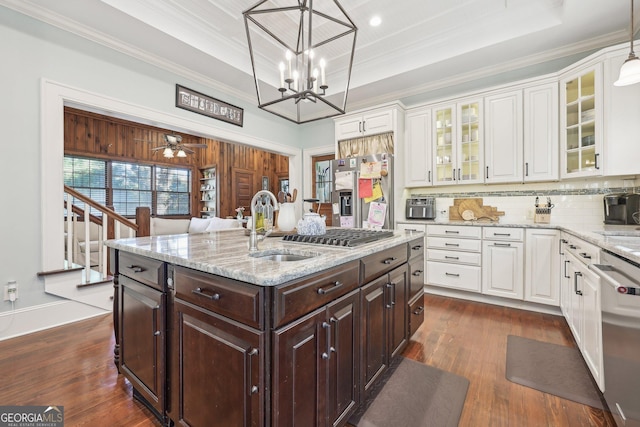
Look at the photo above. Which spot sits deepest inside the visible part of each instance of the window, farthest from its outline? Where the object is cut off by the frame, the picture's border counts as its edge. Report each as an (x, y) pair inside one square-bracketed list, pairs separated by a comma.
[(131, 184), (165, 190), (88, 177), (172, 191)]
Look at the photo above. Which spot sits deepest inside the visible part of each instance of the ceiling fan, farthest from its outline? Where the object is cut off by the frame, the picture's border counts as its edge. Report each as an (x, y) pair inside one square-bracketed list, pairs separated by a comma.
[(175, 148)]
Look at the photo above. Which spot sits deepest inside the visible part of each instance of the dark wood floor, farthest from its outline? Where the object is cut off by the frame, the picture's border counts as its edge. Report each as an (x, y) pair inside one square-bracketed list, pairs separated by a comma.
[(72, 366)]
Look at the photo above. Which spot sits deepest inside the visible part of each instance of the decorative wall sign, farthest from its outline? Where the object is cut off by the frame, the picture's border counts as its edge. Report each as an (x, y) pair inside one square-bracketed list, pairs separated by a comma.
[(199, 103)]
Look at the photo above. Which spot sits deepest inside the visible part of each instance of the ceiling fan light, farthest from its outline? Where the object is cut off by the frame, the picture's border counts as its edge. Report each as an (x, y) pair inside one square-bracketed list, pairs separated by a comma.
[(181, 153), (168, 153), (629, 72)]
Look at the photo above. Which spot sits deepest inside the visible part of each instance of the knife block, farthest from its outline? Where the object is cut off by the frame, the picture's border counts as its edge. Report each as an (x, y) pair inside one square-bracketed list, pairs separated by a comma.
[(542, 216)]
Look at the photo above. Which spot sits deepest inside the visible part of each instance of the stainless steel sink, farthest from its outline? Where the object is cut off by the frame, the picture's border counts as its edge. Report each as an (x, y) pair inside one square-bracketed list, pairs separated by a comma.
[(283, 255)]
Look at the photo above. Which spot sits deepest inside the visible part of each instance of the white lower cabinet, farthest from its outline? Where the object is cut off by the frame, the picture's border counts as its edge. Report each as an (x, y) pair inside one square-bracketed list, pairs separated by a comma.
[(582, 312), (503, 262), (454, 257), (542, 266)]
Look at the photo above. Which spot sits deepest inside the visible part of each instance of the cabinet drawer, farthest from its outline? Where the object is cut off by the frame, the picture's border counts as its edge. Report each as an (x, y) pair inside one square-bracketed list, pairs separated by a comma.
[(584, 251), (416, 278), (454, 257), (465, 277), (464, 231), (149, 271), (379, 263), (416, 249), (503, 233), (416, 314), (301, 297), (233, 299), (454, 244), (411, 227)]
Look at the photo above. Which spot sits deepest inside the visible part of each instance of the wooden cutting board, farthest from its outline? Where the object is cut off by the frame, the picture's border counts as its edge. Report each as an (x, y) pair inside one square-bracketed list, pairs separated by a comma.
[(475, 205), (454, 211)]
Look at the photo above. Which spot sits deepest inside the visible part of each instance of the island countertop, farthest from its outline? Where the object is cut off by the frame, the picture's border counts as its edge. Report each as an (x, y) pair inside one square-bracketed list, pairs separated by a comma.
[(226, 253)]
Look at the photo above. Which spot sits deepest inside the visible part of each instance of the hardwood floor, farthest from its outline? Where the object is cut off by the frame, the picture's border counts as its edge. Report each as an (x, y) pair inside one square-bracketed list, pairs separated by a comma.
[(72, 366)]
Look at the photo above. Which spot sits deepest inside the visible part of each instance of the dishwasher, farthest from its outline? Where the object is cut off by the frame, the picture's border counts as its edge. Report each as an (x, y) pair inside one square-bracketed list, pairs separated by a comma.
[(620, 304)]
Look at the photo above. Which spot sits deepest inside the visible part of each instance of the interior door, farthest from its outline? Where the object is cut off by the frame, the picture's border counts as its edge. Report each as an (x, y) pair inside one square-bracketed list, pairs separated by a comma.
[(322, 178), (242, 188)]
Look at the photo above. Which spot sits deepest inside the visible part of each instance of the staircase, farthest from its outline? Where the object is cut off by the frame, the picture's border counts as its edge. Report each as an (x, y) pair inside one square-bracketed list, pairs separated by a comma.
[(87, 280)]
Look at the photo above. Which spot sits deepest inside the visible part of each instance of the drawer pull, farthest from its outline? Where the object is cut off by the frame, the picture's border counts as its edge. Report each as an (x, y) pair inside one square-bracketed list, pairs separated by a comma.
[(335, 285), (136, 268), (452, 244), (389, 260), (575, 282), (502, 234), (451, 232), (419, 310), (416, 248), (200, 292), (585, 255), (503, 245), (573, 247), (451, 257), (417, 273), (452, 274)]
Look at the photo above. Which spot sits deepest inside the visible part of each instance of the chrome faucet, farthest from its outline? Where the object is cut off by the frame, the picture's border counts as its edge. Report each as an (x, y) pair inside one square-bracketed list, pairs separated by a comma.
[(253, 236)]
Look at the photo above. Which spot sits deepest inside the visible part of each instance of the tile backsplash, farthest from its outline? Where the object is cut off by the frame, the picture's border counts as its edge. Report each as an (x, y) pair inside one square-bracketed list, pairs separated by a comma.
[(575, 202)]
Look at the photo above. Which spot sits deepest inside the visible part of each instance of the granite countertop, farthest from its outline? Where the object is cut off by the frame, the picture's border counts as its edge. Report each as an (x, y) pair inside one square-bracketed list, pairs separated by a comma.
[(226, 253), (623, 240)]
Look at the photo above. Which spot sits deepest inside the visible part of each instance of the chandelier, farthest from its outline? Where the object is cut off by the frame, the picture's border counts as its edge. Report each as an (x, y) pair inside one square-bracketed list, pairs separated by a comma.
[(301, 57)]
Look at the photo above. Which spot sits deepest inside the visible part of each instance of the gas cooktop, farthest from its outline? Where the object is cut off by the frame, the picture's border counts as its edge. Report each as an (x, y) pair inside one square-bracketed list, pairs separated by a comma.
[(348, 237)]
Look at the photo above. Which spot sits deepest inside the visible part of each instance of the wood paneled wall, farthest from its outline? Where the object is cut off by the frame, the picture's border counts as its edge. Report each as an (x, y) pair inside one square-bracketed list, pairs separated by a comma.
[(94, 135)]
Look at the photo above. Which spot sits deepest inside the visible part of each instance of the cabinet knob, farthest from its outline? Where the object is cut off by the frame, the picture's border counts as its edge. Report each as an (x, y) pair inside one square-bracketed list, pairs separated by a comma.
[(254, 389)]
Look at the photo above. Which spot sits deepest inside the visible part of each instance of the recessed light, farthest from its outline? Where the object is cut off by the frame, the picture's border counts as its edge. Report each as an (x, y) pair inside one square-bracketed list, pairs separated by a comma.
[(375, 21)]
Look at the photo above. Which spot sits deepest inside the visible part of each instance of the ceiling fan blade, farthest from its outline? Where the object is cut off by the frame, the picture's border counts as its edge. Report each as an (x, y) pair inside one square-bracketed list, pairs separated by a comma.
[(185, 149), (195, 145), (158, 148)]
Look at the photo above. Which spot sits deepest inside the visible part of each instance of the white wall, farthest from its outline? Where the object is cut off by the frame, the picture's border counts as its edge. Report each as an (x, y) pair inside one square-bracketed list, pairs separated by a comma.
[(33, 52)]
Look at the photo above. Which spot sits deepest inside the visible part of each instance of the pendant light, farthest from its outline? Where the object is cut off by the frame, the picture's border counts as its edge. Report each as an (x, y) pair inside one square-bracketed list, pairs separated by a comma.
[(630, 70)]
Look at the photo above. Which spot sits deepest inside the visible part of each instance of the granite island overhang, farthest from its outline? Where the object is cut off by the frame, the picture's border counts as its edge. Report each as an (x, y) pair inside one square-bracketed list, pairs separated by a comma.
[(225, 253)]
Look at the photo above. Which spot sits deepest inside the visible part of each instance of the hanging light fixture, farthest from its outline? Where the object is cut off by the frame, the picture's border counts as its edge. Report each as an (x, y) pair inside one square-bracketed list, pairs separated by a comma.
[(301, 56), (167, 152), (181, 153), (630, 70)]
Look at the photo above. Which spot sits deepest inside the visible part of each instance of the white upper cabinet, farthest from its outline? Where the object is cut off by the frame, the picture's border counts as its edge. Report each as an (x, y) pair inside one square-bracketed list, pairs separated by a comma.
[(368, 123), (621, 119), (418, 163), (581, 123), (503, 147), (541, 133), (458, 143)]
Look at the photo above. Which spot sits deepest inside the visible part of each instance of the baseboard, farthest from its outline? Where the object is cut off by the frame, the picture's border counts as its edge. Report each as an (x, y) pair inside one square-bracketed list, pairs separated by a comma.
[(23, 321), (488, 299)]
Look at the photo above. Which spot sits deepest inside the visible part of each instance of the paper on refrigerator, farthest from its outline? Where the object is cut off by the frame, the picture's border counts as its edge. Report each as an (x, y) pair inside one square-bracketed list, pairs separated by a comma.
[(377, 214), (343, 180)]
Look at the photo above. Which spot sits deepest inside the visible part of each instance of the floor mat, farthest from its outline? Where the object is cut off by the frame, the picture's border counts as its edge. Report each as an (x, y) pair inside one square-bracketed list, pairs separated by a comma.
[(414, 394), (551, 368)]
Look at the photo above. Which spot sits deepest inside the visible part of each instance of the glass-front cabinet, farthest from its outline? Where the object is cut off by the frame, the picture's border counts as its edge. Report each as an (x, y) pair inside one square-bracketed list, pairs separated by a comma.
[(458, 143), (581, 123)]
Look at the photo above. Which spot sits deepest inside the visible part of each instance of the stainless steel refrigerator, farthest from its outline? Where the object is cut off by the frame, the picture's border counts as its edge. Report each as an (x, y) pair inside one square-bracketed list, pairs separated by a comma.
[(363, 192)]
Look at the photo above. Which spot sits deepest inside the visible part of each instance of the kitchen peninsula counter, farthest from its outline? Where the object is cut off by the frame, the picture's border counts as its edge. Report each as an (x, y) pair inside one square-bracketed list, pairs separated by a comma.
[(226, 253)]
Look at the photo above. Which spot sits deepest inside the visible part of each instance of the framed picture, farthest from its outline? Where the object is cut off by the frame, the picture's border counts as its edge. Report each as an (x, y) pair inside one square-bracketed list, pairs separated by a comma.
[(197, 102), (265, 182)]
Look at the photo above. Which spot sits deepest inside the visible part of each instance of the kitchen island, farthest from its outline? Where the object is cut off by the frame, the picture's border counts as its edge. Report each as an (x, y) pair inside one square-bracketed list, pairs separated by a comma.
[(210, 334)]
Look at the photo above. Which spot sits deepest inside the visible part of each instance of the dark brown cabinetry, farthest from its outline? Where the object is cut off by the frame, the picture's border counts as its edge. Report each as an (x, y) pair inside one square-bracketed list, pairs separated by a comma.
[(384, 312), (142, 308), (204, 350), (416, 285), (217, 363), (316, 358)]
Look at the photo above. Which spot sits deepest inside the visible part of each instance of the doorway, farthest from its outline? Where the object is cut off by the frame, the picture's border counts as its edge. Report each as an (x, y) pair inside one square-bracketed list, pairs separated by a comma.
[(322, 184)]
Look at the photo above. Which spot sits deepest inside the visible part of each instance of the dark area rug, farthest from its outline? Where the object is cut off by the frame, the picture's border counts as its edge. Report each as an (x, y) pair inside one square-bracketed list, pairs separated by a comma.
[(414, 394), (551, 368)]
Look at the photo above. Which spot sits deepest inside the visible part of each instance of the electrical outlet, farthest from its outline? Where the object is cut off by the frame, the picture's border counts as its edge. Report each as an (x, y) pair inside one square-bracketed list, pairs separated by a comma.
[(11, 291)]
